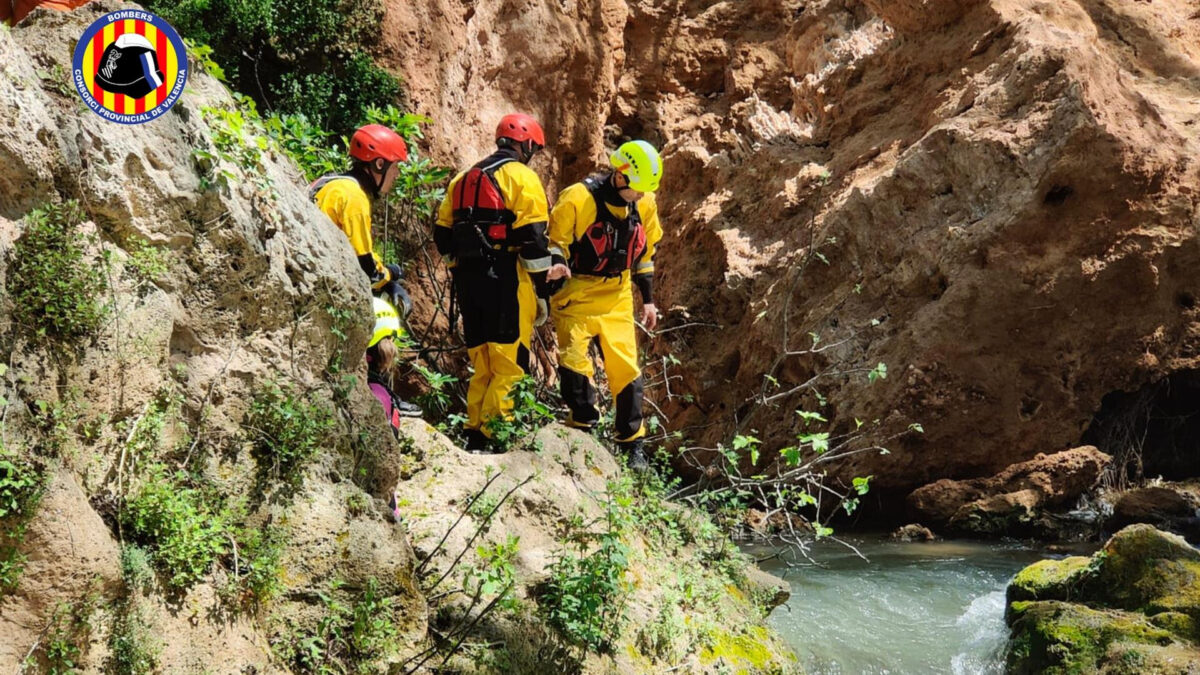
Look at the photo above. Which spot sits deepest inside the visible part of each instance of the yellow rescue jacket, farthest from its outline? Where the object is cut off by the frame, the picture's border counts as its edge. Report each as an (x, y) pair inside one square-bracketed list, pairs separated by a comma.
[(349, 207)]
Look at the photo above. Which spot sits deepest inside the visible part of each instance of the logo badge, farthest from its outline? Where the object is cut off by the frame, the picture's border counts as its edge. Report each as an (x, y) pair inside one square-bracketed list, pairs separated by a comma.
[(130, 67)]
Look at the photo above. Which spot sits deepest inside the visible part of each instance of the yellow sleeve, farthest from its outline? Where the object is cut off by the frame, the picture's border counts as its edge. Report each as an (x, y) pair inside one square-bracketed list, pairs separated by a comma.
[(445, 216), (523, 194), (648, 210), (573, 213)]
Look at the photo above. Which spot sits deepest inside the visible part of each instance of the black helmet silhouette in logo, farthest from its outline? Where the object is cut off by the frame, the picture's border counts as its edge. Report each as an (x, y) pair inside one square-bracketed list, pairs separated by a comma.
[(129, 66)]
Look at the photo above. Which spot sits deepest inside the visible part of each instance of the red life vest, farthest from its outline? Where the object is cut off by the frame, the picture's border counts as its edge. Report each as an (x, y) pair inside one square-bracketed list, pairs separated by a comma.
[(482, 222), (610, 245)]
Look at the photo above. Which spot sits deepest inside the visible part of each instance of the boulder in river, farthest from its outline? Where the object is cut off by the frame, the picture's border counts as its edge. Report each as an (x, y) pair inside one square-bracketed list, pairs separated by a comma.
[(1168, 505), (914, 532), (1131, 607), (1014, 501)]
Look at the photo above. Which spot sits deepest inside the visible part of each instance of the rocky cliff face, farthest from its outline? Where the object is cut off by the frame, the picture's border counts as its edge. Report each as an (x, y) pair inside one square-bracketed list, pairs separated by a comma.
[(1004, 192), (216, 285)]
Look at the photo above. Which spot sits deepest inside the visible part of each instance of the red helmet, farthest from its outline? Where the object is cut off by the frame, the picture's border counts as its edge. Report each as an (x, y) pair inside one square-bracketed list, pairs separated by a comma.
[(375, 141), (521, 128)]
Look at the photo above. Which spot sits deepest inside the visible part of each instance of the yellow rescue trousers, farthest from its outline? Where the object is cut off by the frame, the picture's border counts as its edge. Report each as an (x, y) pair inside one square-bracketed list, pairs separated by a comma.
[(498, 366), (588, 308)]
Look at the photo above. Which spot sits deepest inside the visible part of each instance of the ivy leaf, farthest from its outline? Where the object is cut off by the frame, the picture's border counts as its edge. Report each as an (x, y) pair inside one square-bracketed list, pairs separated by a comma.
[(791, 456), (879, 372), (862, 485), (819, 441), (810, 417)]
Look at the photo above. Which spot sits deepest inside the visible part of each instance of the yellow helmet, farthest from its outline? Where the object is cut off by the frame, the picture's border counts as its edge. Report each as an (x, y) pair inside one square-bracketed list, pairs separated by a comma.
[(387, 321), (640, 163)]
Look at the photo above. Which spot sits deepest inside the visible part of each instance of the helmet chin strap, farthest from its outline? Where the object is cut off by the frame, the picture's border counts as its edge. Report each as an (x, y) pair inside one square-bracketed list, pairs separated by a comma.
[(382, 176)]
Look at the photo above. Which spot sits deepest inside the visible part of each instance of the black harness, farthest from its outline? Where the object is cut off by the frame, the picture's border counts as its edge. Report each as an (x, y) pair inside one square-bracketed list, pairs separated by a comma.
[(610, 245)]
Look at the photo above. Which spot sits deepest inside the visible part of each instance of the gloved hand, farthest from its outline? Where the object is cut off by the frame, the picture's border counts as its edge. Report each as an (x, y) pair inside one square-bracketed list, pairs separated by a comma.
[(394, 272), (394, 293), (543, 312)]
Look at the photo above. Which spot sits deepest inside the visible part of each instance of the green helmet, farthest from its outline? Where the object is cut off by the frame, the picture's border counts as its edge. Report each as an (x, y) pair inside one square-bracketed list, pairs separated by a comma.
[(640, 163), (387, 322)]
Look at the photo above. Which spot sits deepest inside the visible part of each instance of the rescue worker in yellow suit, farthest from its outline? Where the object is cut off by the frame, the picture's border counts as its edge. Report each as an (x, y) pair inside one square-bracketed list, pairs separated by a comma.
[(376, 152), (491, 229), (603, 234)]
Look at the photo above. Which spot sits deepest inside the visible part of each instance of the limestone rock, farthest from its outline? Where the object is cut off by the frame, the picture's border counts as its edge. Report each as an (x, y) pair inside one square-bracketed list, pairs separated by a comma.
[(253, 271), (565, 475), (1053, 636), (70, 554)]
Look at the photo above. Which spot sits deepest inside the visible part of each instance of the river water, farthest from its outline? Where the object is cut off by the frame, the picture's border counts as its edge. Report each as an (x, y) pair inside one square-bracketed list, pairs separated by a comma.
[(934, 607)]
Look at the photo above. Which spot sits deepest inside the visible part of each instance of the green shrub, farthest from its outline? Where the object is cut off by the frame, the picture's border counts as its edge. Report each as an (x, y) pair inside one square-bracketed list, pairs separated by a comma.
[(287, 430), (67, 636), (585, 595), (528, 415), (348, 638), (239, 139), (21, 487), (312, 148), (495, 575), (293, 56), (132, 645), (146, 263), (56, 291), (184, 532), (338, 97), (135, 566), (261, 553)]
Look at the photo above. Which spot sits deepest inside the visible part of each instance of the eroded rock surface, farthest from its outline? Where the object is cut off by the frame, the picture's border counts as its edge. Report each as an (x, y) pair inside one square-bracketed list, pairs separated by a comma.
[(1014, 501), (1006, 193)]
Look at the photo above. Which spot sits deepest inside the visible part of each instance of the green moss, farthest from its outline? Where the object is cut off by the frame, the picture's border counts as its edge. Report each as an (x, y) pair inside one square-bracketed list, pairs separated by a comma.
[(1179, 624), (748, 652), (1056, 637), (1049, 579), (1171, 586), (1143, 569)]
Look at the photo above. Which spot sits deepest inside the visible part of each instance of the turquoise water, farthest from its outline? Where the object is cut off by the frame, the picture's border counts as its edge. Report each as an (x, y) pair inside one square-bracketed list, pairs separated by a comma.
[(909, 608)]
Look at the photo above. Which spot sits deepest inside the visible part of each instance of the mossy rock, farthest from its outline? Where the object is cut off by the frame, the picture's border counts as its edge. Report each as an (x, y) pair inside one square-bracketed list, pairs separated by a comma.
[(1142, 568), (745, 653), (1050, 580), (1180, 624), (1058, 637)]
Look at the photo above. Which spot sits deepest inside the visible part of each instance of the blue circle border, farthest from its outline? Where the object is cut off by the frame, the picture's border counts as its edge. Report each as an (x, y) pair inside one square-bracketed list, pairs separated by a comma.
[(81, 48)]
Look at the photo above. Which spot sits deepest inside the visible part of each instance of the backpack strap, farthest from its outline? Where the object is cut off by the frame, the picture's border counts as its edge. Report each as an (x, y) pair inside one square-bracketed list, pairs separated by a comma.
[(316, 185)]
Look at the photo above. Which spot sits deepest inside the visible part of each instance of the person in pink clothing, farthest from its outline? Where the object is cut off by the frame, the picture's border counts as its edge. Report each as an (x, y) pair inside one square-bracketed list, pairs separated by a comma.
[(382, 355)]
